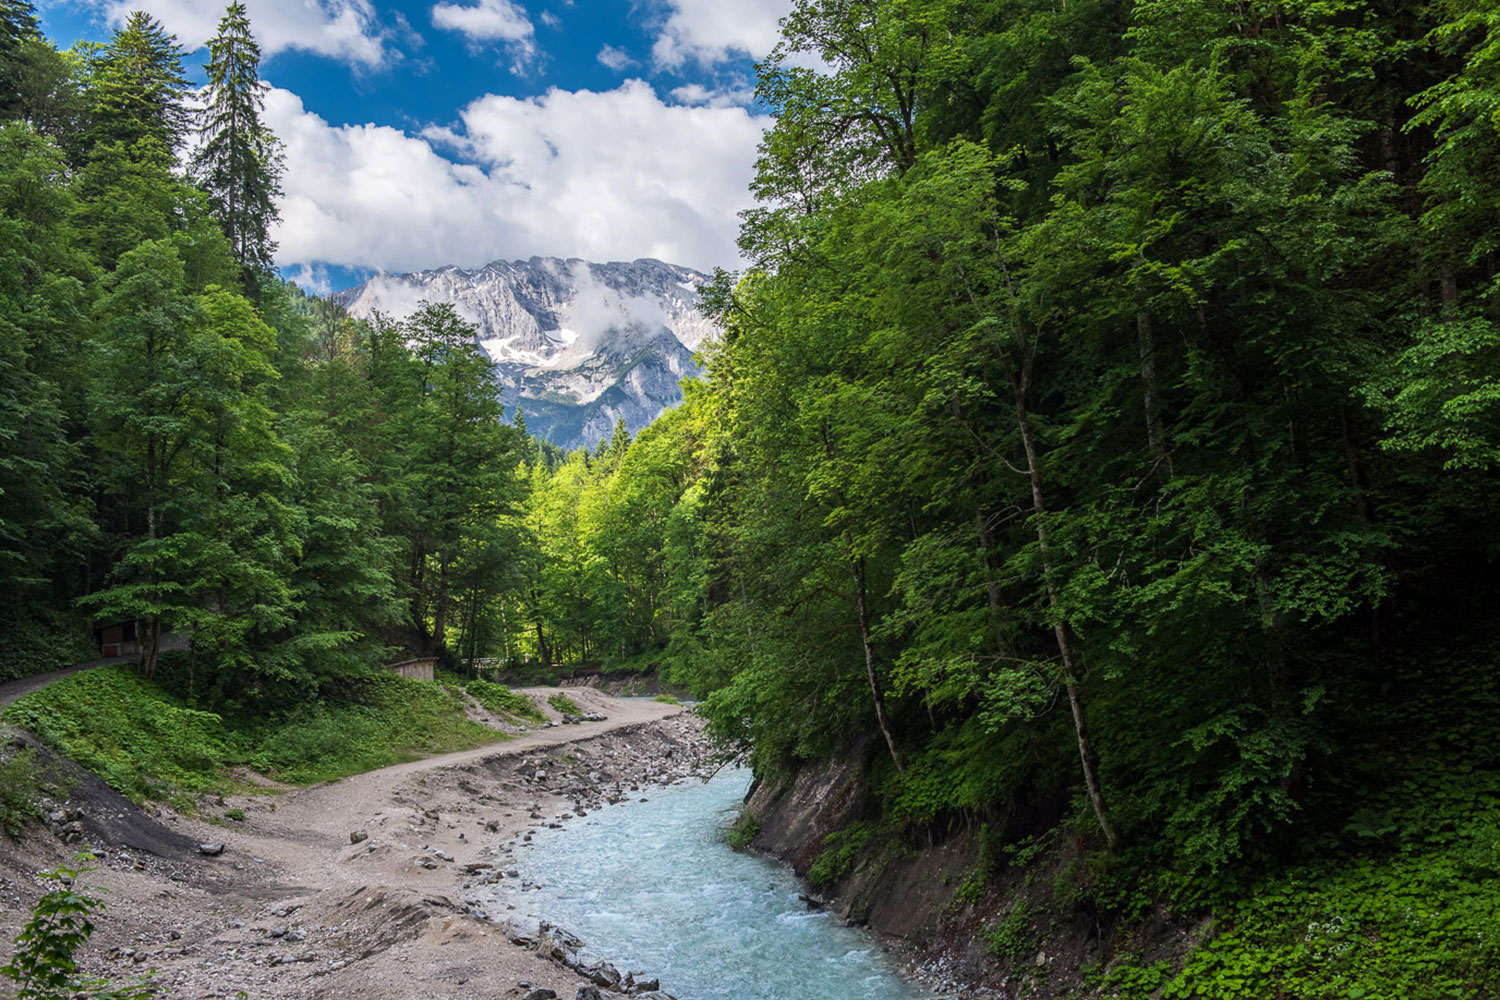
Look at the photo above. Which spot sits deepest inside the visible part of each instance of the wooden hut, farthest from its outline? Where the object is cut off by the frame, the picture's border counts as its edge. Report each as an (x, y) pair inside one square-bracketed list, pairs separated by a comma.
[(419, 669)]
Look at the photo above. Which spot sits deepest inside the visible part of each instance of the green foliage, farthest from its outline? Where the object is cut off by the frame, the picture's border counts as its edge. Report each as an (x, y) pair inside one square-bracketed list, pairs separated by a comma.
[(379, 720), (20, 789), (143, 741), (841, 852), (562, 703), (1013, 936), (137, 87), (667, 699), (239, 162), (502, 700), (744, 831), (148, 743), (44, 966)]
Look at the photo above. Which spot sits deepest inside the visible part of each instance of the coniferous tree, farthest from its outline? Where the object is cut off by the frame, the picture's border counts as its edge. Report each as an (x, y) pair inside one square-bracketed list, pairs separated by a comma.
[(239, 163), (18, 25), (137, 88)]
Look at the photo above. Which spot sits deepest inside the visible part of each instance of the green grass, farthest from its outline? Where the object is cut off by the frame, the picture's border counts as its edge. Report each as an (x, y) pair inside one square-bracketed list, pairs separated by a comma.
[(667, 699), (150, 744), (564, 704), (501, 700)]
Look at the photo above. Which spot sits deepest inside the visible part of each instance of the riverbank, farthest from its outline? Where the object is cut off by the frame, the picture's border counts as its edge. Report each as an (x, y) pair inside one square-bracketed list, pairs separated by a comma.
[(367, 886)]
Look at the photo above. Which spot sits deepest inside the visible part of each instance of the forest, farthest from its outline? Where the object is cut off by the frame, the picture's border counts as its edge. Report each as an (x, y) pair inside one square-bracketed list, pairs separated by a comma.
[(1102, 445)]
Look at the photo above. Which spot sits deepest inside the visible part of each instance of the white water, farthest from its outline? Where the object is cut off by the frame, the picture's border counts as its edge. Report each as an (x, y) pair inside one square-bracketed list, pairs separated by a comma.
[(651, 886)]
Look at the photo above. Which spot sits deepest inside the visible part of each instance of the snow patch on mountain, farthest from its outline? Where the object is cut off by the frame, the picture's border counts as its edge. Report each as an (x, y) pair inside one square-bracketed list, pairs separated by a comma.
[(577, 344)]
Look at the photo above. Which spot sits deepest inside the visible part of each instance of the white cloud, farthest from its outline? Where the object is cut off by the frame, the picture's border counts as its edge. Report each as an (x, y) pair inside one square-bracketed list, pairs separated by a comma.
[(491, 21), (706, 32), (312, 278), (615, 58), (348, 30), (487, 20), (722, 97), (611, 175)]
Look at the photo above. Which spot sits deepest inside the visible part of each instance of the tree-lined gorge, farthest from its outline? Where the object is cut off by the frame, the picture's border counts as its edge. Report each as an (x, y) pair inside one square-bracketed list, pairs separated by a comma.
[(1101, 447)]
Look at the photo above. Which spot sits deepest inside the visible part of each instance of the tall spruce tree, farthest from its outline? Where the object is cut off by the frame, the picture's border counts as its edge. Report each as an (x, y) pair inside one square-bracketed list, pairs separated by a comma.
[(137, 88), (239, 162)]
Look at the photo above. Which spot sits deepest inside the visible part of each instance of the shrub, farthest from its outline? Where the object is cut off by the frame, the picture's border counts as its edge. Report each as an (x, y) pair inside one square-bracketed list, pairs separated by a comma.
[(564, 704), (43, 966), (20, 789), (841, 850), (743, 832), (502, 700)]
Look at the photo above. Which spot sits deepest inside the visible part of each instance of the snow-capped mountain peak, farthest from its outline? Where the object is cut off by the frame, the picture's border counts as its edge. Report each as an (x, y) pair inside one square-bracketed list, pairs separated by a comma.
[(577, 344)]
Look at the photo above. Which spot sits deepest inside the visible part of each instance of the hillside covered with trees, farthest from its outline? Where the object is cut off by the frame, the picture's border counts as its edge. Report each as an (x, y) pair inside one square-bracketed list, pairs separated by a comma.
[(1102, 444)]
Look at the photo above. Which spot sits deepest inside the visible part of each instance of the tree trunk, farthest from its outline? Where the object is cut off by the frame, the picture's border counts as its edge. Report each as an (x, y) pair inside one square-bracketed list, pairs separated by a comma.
[(1155, 432), (541, 647), (857, 570), (1086, 754), (148, 631), (440, 615)]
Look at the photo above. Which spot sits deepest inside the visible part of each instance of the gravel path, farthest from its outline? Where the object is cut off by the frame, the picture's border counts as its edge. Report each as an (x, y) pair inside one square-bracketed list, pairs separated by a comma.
[(294, 909)]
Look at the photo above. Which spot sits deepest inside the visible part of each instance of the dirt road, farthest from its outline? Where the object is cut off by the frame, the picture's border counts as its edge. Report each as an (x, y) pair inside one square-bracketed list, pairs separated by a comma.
[(294, 908)]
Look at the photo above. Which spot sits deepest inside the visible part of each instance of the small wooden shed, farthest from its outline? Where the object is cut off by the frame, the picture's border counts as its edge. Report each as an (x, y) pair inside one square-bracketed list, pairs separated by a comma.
[(117, 639), (419, 669)]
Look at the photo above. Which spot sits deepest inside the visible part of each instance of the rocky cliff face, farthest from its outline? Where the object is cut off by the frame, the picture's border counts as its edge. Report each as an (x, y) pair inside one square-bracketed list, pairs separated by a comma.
[(973, 924), (899, 892), (578, 345)]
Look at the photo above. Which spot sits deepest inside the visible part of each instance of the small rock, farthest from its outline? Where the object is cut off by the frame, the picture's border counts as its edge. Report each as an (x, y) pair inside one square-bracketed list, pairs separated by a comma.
[(211, 850), (587, 993), (541, 994), (358, 836)]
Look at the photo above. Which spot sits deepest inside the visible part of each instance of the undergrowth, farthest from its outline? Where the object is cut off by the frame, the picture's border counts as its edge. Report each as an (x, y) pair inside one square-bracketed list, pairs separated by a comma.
[(501, 700), (20, 788), (150, 744), (841, 850), (743, 832), (564, 704), (1411, 915)]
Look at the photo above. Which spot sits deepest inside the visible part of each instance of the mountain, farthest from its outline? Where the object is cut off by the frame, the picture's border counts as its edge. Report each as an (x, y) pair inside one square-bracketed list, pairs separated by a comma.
[(578, 345)]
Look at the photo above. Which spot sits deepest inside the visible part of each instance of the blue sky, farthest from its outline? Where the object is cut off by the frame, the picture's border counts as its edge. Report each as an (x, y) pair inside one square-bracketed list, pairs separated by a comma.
[(463, 131)]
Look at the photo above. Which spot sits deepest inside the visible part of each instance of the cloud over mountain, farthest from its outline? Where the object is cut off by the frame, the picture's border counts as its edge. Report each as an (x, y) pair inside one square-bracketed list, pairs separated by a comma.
[(601, 174)]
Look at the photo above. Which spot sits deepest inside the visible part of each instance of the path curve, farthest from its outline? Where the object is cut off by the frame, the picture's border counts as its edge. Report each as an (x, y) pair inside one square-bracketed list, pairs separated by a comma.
[(10, 691)]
